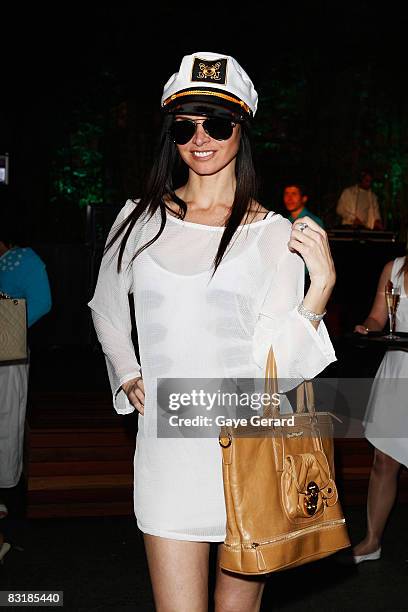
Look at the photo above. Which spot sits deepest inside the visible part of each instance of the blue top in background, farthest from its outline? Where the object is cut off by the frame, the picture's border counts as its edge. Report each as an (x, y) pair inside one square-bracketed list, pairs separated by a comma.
[(306, 213), (23, 275)]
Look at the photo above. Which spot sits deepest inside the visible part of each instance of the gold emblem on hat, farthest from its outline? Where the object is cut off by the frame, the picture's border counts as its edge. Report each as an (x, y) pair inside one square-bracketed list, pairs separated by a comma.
[(210, 71)]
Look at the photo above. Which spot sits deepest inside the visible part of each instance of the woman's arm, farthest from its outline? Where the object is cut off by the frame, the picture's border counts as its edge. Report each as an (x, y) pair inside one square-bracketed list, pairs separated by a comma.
[(112, 321), (36, 289), (302, 348), (378, 314), (313, 245)]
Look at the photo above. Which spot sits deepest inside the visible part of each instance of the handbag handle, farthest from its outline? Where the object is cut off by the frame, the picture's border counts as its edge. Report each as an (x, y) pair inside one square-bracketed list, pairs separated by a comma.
[(271, 384), (303, 391), (4, 296)]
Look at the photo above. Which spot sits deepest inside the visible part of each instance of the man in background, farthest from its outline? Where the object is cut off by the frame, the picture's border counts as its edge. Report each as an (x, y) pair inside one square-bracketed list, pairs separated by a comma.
[(295, 198), (358, 205)]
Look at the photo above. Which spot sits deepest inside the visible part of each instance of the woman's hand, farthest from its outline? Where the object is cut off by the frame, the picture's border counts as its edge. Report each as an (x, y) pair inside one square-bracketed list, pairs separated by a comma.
[(361, 329), (313, 245), (135, 392)]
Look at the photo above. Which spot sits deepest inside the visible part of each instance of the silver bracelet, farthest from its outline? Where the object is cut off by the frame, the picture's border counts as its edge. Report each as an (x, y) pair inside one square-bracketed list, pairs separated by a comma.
[(308, 314)]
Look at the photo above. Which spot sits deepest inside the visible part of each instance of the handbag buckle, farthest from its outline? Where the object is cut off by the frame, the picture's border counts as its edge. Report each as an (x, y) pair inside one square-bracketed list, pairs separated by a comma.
[(225, 440), (311, 498)]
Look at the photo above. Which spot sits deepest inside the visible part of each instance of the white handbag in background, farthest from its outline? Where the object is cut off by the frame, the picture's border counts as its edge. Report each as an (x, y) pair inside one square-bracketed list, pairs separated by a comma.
[(13, 330)]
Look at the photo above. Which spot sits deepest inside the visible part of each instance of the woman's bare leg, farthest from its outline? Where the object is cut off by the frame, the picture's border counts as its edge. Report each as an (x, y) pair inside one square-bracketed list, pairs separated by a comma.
[(179, 574), (382, 491), (234, 593)]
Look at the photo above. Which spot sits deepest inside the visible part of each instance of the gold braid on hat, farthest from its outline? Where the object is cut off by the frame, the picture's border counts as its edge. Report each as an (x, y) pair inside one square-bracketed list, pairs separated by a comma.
[(204, 92)]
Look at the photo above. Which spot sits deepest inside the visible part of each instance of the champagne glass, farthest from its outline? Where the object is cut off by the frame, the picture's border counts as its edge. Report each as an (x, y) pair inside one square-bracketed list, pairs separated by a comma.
[(392, 297)]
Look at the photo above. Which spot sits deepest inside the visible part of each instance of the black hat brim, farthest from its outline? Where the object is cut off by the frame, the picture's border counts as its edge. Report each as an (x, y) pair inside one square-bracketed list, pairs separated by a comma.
[(203, 105)]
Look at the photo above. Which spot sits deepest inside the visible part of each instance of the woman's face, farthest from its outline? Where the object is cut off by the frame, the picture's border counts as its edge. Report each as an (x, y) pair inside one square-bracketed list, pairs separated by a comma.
[(206, 155)]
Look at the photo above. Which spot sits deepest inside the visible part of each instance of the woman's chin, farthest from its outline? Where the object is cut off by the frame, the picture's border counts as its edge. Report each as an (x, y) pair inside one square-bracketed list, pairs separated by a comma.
[(208, 168)]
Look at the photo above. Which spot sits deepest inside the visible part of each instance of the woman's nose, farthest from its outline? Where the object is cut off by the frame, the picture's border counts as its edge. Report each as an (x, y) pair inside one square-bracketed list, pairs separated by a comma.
[(200, 135)]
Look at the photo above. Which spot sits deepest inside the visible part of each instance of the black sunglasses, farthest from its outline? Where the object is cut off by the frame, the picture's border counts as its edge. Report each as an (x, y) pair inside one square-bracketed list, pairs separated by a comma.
[(220, 129)]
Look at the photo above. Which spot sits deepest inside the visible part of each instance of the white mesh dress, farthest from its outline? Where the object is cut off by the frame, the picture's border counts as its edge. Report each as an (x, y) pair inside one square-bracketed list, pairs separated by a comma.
[(190, 326)]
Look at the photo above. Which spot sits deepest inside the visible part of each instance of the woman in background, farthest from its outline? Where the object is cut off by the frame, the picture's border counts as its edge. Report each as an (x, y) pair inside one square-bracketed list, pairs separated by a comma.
[(386, 421), (22, 275)]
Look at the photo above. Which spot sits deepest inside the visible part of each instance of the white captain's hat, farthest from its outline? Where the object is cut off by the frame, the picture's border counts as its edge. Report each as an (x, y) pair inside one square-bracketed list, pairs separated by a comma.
[(210, 84)]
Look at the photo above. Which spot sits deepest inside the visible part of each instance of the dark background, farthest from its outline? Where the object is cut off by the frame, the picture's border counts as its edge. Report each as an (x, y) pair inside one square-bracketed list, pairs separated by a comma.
[(80, 106)]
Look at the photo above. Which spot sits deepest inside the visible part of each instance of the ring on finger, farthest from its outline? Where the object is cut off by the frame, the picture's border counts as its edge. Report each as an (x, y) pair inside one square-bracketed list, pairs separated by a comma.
[(301, 226)]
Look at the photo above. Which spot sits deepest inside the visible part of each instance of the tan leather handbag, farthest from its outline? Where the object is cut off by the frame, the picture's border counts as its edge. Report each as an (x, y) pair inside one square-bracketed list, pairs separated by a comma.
[(281, 498), (13, 330)]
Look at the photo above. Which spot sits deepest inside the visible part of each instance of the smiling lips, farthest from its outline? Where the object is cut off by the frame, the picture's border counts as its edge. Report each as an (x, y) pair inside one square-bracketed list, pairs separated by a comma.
[(203, 154)]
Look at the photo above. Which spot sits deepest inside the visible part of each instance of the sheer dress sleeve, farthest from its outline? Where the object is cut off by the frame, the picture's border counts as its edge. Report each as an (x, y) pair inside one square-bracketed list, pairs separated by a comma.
[(111, 316), (301, 351)]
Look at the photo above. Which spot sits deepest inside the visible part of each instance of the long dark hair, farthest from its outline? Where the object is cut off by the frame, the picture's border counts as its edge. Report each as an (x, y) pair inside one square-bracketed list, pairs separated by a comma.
[(160, 183)]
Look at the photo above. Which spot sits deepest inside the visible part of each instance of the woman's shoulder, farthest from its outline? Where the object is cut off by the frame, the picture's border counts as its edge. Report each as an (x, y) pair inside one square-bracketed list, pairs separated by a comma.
[(24, 254), (391, 269), (276, 223), (397, 265), (258, 212), (398, 262), (274, 236), (124, 212), (142, 223), (30, 257), (128, 207)]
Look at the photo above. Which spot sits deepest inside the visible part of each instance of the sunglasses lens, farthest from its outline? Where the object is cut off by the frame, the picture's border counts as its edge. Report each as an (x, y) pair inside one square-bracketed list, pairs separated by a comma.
[(182, 131), (219, 129)]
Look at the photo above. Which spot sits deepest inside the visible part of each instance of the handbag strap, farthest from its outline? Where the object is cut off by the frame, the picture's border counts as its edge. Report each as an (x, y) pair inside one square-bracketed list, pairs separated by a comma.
[(271, 384), (303, 391)]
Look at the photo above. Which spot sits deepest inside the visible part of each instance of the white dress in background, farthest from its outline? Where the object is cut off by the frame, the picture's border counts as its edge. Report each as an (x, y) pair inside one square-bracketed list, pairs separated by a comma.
[(191, 326), (386, 420)]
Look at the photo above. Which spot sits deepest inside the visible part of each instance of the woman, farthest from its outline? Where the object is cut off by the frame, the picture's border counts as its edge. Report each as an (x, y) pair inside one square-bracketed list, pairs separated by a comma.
[(216, 279), (22, 275), (386, 414)]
